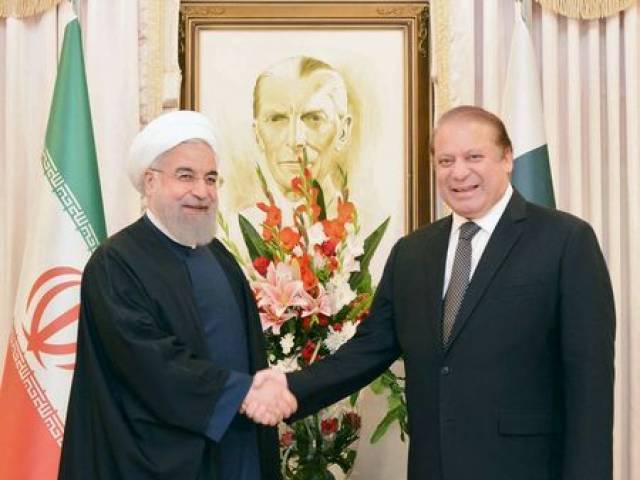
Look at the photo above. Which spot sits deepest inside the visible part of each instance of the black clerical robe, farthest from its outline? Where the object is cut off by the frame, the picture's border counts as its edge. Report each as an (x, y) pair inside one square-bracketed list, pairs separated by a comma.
[(144, 388)]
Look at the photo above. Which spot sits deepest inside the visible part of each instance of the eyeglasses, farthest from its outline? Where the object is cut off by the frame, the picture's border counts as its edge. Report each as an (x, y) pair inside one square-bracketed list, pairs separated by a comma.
[(212, 180)]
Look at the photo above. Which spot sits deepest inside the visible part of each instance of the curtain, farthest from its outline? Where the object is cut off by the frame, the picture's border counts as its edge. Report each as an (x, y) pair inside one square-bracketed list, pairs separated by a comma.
[(27, 90), (29, 49), (590, 75)]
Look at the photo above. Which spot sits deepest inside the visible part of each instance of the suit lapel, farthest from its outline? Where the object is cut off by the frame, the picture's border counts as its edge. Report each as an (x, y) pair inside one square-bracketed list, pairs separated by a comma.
[(504, 237)]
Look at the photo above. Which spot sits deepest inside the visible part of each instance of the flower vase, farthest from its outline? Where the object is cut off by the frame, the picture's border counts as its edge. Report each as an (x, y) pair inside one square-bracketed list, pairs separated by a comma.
[(322, 446)]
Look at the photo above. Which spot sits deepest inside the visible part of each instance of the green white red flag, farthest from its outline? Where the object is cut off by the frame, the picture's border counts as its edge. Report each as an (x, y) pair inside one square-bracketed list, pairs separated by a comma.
[(66, 226), (523, 116)]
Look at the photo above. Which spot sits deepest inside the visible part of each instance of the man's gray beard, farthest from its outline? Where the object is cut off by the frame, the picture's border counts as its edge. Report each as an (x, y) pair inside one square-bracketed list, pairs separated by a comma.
[(188, 231)]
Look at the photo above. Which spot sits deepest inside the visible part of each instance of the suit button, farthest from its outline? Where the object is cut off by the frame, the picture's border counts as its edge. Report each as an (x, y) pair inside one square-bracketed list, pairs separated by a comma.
[(445, 370)]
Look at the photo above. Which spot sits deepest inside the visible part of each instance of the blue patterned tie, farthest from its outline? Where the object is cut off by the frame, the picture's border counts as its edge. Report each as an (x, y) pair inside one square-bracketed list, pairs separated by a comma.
[(459, 279)]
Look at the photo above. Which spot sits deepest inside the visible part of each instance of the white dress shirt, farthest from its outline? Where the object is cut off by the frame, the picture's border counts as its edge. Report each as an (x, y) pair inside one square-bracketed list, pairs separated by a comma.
[(487, 224)]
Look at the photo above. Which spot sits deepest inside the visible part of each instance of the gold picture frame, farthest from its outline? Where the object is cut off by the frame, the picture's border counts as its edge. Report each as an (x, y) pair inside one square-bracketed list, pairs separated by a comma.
[(221, 42)]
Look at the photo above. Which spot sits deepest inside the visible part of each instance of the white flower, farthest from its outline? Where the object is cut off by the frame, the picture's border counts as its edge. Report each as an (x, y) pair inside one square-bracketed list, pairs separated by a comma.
[(319, 260), (335, 339), (297, 251), (352, 249), (287, 365), (350, 264), (339, 292), (286, 343), (350, 228), (354, 246), (316, 234)]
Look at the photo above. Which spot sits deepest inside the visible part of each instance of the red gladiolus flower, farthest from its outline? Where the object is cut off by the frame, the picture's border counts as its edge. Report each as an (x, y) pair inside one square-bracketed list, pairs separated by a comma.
[(306, 323), (337, 327), (352, 419), (315, 212), (309, 279), (304, 260), (329, 248), (329, 426), (289, 238), (334, 229), (274, 215), (286, 439), (261, 264), (346, 211), (307, 351), (266, 233), (296, 185), (323, 320), (332, 263), (313, 205)]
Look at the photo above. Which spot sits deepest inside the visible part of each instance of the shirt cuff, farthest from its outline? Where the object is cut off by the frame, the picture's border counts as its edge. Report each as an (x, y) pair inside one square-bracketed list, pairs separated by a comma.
[(228, 404)]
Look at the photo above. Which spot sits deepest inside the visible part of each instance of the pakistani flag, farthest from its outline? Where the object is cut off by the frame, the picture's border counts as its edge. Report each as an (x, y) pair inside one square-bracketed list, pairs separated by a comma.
[(66, 225), (522, 114)]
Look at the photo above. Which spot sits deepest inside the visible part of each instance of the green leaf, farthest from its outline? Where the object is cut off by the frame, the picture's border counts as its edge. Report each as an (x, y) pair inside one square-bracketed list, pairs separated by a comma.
[(363, 284), (354, 398), (320, 200), (228, 242), (253, 240), (394, 401), (390, 384), (351, 456), (359, 308), (263, 182), (377, 386), (383, 426), (389, 378), (370, 245), (223, 223)]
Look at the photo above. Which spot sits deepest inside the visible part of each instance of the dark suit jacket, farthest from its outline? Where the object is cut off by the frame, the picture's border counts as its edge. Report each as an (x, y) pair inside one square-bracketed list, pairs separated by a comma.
[(525, 389), (144, 388)]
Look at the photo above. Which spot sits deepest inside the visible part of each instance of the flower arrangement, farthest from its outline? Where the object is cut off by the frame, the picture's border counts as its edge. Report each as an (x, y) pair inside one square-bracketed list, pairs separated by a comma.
[(312, 287)]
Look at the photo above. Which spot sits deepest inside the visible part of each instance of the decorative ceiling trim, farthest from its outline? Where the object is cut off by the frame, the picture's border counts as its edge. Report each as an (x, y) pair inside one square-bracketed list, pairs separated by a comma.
[(586, 9), (25, 8)]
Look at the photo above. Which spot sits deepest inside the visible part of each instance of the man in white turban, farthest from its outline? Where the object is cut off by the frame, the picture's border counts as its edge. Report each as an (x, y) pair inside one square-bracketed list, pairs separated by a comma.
[(169, 336)]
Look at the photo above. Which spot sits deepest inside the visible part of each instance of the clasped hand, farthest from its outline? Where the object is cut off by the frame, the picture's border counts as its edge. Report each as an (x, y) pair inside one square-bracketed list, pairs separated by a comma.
[(269, 400)]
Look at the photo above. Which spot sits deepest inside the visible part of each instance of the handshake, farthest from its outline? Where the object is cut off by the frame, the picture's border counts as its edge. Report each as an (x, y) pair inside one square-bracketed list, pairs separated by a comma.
[(269, 400)]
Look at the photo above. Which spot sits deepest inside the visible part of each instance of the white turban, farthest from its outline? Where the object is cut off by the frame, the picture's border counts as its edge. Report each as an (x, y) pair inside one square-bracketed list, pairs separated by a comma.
[(162, 134)]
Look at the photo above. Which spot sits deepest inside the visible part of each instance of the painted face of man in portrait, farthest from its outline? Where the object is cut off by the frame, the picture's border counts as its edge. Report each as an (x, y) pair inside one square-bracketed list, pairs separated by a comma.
[(300, 110)]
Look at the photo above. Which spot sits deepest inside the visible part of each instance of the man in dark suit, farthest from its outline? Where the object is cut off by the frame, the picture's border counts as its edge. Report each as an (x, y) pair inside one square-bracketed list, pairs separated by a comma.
[(169, 335), (503, 313)]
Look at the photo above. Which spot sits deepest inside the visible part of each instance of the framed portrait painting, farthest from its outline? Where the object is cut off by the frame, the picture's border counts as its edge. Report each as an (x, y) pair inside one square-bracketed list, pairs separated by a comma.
[(349, 82)]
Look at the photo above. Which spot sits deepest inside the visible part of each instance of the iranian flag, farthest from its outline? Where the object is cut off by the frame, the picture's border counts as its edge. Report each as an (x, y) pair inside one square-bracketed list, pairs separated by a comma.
[(522, 114), (64, 229)]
